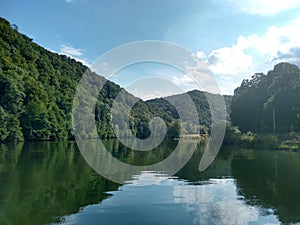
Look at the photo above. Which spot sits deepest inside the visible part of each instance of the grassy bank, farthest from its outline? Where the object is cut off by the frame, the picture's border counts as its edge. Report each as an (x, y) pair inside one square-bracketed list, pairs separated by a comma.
[(283, 141)]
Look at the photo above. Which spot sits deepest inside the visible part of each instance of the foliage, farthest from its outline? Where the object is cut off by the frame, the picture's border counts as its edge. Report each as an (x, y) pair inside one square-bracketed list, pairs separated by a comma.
[(264, 97), (290, 141), (265, 141), (247, 139), (200, 101), (175, 129), (232, 135), (37, 89), (10, 129), (287, 146)]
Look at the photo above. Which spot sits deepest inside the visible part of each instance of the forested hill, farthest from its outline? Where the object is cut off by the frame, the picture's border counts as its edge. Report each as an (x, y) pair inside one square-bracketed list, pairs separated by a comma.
[(201, 103), (37, 89), (269, 101)]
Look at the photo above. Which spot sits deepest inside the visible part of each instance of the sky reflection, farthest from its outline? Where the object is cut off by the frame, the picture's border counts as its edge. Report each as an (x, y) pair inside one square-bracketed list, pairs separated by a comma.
[(173, 201)]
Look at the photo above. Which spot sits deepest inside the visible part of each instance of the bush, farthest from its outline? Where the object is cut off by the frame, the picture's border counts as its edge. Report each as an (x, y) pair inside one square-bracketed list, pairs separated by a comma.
[(265, 141), (248, 139), (232, 135)]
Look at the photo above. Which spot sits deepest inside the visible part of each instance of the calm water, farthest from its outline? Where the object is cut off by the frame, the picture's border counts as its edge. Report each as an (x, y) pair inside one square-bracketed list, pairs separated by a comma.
[(50, 183)]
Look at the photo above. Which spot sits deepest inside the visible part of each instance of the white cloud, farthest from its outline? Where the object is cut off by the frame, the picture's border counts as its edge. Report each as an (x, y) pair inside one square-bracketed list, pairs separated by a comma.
[(184, 80), (279, 41), (229, 60), (255, 53), (140, 93), (75, 53), (227, 84), (199, 77), (232, 60), (69, 50), (264, 7), (203, 82), (200, 54), (153, 87)]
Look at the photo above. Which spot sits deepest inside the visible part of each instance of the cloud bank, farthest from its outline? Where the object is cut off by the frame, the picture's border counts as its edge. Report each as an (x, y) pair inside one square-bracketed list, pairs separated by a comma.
[(254, 53)]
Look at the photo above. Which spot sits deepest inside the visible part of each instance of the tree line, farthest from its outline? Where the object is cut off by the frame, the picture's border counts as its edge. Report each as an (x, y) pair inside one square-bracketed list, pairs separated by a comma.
[(37, 89), (269, 103)]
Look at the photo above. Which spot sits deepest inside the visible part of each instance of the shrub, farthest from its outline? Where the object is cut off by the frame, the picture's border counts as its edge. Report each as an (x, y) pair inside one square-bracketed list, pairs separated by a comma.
[(265, 141)]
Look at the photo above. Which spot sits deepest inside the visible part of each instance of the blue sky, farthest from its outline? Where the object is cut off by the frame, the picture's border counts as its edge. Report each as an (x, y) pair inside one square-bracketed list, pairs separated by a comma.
[(234, 39)]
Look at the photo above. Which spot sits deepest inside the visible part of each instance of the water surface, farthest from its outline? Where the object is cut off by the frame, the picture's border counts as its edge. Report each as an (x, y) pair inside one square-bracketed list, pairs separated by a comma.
[(50, 183)]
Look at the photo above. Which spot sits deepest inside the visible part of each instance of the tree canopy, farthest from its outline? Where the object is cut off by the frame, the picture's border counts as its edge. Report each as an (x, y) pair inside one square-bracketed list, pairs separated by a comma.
[(268, 102), (37, 89)]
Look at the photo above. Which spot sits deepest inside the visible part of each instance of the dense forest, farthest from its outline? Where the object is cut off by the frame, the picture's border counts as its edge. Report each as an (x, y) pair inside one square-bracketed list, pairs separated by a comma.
[(269, 102), (201, 103), (37, 88)]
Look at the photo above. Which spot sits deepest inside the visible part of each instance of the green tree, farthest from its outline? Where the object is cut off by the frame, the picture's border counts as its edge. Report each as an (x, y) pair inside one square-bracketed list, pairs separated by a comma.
[(267, 99), (174, 130)]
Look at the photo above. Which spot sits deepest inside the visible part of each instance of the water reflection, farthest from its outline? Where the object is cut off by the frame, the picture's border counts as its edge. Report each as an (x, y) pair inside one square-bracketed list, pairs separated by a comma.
[(270, 179), (217, 202), (173, 201), (50, 183), (42, 181), (120, 169)]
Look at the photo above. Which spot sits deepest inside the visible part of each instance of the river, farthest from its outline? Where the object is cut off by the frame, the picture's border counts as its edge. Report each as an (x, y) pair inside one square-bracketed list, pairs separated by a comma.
[(51, 183)]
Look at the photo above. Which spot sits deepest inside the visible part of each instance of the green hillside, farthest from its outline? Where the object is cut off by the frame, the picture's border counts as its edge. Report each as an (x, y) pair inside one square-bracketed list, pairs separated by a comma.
[(269, 102), (37, 89), (200, 101)]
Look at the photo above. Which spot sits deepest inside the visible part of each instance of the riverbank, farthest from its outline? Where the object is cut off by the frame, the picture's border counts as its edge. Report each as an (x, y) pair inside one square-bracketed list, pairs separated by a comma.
[(197, 137), (281, 141), (290, 141)]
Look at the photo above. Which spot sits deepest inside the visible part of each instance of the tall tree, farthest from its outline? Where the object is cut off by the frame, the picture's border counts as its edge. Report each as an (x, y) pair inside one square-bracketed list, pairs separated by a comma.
[(268, 100)]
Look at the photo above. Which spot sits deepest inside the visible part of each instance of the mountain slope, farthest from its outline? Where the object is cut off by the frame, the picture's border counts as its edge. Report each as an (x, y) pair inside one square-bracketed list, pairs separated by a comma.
[(200, 101), (37, 89)]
